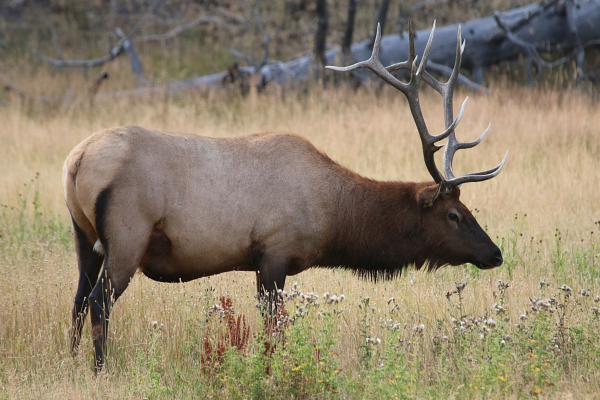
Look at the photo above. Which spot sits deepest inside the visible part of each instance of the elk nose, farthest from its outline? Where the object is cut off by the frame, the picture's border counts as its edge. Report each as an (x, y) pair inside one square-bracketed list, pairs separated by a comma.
[(498, 258)]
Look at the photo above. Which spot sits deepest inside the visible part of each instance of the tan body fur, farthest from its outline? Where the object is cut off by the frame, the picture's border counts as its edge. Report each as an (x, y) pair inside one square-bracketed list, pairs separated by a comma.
[(212, 198)]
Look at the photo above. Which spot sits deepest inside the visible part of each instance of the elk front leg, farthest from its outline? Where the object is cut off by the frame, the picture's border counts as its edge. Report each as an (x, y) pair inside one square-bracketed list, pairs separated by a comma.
[(270, 277)]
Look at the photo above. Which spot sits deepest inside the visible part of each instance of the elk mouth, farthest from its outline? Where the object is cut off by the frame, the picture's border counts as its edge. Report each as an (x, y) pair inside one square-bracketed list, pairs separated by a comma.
[(497, 261), (481, 265)]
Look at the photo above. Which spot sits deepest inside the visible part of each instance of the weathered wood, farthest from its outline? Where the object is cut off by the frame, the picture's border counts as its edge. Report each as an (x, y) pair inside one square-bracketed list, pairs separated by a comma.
[(136, 64), (543, 25), (546, 26), (488, 44)]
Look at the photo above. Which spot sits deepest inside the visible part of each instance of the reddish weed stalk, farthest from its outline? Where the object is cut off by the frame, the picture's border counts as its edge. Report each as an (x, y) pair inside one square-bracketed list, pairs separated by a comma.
[(237, 334)]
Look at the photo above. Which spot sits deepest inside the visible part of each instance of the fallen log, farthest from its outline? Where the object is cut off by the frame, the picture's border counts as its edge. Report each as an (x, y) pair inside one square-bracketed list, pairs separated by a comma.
[(545, 27)]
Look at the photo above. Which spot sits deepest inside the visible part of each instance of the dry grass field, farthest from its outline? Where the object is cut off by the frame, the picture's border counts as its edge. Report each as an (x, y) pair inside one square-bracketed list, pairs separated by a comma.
[(543, 210)]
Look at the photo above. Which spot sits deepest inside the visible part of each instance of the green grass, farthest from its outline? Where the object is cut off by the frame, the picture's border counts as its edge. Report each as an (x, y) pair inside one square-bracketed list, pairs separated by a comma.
[(541, 211), (515, 347)]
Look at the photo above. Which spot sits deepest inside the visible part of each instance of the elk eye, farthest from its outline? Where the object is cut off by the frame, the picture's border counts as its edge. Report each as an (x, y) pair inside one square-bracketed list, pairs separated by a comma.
[(453, 217)]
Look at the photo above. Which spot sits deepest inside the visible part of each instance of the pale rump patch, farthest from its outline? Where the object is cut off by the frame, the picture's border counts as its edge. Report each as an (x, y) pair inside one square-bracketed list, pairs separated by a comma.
[(98, 247)]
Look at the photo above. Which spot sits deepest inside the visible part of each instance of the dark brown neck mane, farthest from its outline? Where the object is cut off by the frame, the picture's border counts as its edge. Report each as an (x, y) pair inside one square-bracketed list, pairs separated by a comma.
[(378, 229)]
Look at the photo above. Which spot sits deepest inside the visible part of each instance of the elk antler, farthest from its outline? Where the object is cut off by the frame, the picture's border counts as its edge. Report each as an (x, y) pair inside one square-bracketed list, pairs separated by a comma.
[(411, 91)]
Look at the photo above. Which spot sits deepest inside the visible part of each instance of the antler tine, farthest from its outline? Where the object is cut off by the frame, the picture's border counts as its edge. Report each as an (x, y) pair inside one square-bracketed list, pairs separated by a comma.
[(423, 63), (453, 144), (412, 95), (410, 90), (460, 48), (409, 64), (374, 65), (411, 43), (453, 125), (447, 97), (476, 176), (431, 81)]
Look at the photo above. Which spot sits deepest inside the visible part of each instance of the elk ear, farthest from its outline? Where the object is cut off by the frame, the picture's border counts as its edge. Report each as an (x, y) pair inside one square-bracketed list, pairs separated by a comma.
[(427, 196), (457, 192)]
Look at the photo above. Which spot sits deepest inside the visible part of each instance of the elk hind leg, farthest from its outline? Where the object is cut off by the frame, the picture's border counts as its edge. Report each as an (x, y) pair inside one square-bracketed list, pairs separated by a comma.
[(89, 263), (122, 253)]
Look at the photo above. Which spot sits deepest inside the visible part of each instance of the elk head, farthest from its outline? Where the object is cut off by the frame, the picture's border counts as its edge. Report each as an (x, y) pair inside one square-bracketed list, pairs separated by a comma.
[(451, 233)]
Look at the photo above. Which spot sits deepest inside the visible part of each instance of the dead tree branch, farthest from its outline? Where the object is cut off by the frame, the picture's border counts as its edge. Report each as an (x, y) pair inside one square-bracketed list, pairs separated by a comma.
[(232, 17), (136, 65), (112, 54), (565, 25), (531, 50)]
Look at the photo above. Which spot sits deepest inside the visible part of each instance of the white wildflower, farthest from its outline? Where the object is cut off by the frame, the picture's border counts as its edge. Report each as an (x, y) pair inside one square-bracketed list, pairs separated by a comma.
[(566, 289)]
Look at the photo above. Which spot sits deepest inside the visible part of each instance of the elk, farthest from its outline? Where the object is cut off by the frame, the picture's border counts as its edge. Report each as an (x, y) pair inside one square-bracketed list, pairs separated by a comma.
[(179, 207)]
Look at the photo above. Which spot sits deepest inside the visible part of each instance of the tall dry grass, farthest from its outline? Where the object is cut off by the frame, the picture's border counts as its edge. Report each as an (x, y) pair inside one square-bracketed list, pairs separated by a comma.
[(550, 182)]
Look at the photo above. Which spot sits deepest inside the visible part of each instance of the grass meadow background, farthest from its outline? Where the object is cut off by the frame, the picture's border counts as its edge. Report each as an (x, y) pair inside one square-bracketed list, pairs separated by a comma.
[(410, 337)]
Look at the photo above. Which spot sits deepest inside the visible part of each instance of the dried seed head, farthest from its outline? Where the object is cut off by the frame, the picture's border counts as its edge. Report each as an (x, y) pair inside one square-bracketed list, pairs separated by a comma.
[(566, 289), (544, 283), (499, 309), (460, 286), (502, 286), (522, 316)]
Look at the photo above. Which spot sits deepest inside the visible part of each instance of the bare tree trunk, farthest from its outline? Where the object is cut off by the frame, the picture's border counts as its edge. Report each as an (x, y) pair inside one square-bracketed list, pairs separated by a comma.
[(347, 42), (321, 34), (381, 18)]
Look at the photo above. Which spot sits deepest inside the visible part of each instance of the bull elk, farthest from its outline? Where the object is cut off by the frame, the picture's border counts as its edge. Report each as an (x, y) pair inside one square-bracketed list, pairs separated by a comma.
[(179, 207)]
